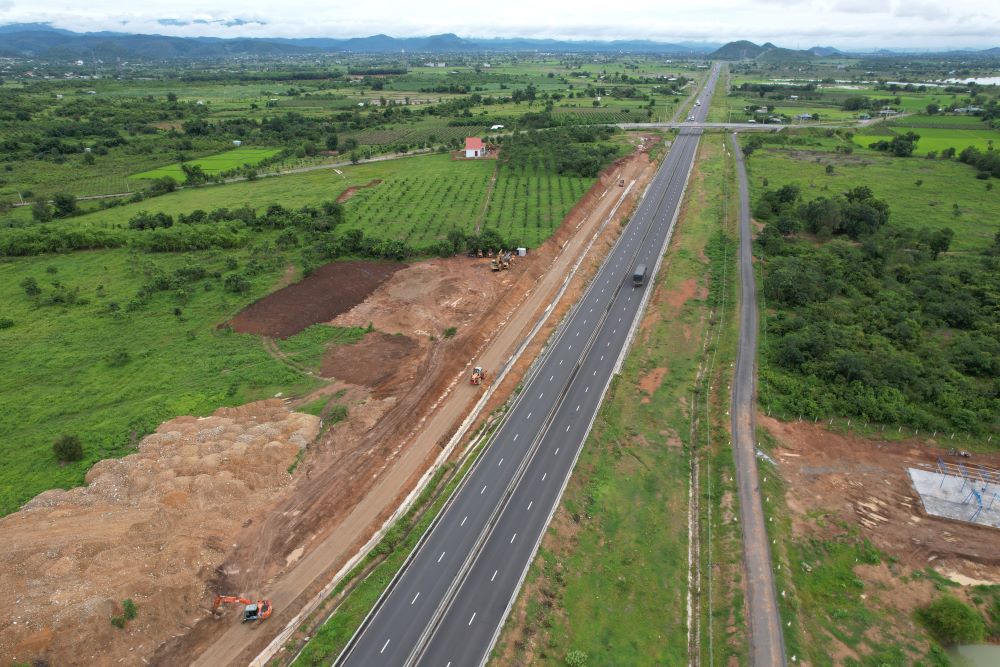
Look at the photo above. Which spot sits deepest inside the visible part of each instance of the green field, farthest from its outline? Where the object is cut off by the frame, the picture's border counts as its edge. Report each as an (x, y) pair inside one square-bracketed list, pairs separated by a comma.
[(77, 366), (213, 164), (943, 183), (938, 139)]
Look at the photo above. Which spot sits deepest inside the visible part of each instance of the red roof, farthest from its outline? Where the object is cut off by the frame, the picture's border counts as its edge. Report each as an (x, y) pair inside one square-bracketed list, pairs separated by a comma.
[(473, 144)]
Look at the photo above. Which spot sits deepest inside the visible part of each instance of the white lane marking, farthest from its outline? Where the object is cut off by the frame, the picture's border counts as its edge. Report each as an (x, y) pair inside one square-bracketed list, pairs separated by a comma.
[(544, 475), (463, 521), (483, 491), (529, 416), (567, 427), (577, 333), (384, 645), (551, 378), (560, 362), (595, 371), (512, 539), (540, 395), (515, 436), (441, 556), (530, 503), (614, 331), (602, 357), (491, 579), (473, 618), (500, 462), (586, 389), (415, 597), (556, 452), (578, 408)]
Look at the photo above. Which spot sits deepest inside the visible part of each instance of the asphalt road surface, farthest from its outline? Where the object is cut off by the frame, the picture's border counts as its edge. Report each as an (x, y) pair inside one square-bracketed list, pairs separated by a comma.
[(447, 605), (767, 646)]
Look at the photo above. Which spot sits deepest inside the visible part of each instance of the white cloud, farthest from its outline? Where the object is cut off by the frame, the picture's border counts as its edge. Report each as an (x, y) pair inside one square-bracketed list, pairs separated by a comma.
[(793, 23), (862, 6)]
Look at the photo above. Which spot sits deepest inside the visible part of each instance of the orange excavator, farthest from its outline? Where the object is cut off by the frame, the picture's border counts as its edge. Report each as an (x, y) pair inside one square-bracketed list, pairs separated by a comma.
[(478, 375), (252, 611)]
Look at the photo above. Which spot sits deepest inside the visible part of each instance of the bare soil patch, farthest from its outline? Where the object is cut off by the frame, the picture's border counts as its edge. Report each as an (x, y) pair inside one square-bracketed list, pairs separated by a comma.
[(353, 190), (372, 361), (863, 482), (328, 291), (651, 381), (152, 526)]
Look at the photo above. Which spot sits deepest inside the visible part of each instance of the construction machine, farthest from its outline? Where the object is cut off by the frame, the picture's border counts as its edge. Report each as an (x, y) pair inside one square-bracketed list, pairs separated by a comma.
[(495, 264), (252, 611), (478, 375), (621, 182)]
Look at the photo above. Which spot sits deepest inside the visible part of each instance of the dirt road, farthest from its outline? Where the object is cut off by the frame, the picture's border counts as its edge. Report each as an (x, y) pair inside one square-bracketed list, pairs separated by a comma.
[(767, 646), (407, 448)]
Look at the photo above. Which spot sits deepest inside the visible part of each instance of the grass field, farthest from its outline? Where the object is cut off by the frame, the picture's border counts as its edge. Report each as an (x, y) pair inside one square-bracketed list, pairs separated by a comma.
[(937, 139), (626, 604), (85, 370), (213, 164), (943, 183)]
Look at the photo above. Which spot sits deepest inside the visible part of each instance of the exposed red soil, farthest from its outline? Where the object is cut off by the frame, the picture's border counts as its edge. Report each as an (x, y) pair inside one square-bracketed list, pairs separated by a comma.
[(353, 190), (372, 361), (328, 291), (865, 482)]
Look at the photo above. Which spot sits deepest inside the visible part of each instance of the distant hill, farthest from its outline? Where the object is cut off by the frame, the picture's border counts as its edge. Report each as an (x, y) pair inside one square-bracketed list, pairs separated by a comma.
[(741, 50), (43, 41), (825, 51), (767, 52)]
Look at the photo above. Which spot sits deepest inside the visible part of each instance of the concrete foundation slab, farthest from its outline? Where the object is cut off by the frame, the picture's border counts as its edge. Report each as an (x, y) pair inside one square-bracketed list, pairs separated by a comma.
[(951, 496)]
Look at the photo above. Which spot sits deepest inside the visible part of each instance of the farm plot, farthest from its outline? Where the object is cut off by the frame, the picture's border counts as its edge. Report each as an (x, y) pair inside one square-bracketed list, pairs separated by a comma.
[(570, 116), (530, 205), (213, 164), (421, 207)]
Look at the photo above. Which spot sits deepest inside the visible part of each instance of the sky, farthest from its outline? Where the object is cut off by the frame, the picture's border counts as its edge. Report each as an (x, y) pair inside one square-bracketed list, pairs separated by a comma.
[(846, 24)]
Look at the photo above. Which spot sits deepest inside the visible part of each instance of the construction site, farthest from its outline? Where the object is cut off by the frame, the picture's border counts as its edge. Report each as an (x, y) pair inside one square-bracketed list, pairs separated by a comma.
[(250, 513)]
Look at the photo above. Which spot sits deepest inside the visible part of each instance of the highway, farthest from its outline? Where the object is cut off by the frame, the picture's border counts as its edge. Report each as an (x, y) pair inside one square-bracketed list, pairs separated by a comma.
[(766, 640), (448, 603)]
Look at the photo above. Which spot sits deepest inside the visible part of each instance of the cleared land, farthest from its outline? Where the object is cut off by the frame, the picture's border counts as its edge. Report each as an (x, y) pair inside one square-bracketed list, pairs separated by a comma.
[(857, 554)]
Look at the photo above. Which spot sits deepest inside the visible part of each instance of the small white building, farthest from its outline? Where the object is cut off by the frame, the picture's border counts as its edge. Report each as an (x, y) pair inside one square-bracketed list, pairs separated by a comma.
[(237, 143), (474, 147)]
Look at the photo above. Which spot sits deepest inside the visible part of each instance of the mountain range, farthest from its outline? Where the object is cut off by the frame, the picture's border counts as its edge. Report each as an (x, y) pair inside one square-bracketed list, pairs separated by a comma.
[(43, 41)]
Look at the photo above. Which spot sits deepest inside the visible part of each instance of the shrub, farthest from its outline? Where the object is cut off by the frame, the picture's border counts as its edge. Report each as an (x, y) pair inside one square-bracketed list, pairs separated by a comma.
[(951, 621), (6, 323), (130, 610), (450, 331), (576, 658), (119, 358), (118, 621), (68, 448), (237, 283)]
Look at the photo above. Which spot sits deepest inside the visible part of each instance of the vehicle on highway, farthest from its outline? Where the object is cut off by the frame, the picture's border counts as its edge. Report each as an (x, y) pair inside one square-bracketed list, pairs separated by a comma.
[(697, 103), (639, 275), (690, 117)]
